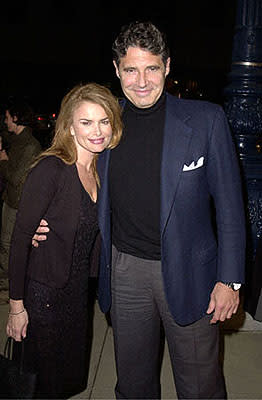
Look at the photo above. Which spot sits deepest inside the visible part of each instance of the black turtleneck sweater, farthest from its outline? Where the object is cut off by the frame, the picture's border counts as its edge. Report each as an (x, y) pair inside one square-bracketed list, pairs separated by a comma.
[(134, 175)]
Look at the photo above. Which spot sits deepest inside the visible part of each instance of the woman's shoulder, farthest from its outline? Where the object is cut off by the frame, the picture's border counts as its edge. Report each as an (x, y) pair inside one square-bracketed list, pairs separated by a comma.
[(51, 162), (48, 168)]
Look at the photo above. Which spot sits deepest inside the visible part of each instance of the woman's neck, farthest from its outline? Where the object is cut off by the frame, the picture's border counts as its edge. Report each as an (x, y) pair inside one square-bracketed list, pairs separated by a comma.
[(85, 161)]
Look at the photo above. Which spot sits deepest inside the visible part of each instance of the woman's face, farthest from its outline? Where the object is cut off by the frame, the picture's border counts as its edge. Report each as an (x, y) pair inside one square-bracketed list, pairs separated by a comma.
[(91, 128)]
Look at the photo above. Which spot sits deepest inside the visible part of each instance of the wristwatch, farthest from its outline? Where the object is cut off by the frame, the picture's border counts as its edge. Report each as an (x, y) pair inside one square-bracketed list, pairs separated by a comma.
[(232, 285)]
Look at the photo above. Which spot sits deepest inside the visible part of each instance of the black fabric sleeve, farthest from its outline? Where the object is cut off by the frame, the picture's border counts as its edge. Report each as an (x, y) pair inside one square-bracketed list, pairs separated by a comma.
[(38, 192)]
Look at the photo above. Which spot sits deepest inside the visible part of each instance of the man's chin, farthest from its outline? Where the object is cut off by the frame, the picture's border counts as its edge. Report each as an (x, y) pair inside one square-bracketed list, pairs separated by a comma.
[(142, 102)]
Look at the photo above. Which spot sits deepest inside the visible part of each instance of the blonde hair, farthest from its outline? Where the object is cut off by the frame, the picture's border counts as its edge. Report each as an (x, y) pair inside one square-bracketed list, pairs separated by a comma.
[(63, 145)]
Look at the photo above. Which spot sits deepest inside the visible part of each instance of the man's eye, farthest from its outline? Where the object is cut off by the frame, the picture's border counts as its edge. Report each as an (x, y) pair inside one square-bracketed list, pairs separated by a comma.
[(154, 69)]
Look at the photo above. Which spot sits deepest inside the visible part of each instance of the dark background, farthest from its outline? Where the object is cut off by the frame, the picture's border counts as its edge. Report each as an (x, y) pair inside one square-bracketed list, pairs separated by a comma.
[(47, 47)]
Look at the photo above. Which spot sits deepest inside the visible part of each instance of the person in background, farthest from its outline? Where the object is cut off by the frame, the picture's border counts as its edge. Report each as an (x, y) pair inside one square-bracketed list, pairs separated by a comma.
[(49, 285), (4, 136), (4, 142), (14, 165), (169, 265)]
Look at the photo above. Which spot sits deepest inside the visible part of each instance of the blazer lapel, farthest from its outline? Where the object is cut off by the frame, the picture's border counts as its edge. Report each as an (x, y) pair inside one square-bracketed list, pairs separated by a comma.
[(103, 194), (177, 137)]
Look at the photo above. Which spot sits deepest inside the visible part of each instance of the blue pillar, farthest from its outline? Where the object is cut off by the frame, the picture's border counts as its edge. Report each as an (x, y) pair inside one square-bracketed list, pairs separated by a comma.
[(243, 106)]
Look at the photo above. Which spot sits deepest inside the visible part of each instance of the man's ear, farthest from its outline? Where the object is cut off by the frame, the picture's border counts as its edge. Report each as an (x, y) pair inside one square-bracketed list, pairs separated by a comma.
[(167, 66), (116, 69)]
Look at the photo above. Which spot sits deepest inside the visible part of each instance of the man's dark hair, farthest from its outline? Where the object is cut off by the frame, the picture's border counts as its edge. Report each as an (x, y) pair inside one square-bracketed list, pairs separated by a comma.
[(22, 111), (144, 35)]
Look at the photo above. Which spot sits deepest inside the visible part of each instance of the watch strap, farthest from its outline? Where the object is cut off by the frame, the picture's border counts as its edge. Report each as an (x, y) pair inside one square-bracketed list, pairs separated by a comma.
[(233, 285)]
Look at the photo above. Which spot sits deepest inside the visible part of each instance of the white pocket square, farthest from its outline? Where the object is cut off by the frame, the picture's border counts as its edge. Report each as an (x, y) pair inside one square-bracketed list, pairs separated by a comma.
[(192, 166)]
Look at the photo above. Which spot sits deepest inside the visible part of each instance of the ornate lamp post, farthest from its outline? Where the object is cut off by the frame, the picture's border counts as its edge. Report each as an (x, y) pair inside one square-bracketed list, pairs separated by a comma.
[(243, 106)]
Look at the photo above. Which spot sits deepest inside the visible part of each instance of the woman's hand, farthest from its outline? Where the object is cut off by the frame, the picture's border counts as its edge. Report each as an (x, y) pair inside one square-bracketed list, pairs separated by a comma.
[(17, 320)]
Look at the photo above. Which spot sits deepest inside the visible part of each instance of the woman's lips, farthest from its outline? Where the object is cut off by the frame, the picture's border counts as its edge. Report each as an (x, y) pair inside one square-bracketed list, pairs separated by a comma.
[(97, 141)]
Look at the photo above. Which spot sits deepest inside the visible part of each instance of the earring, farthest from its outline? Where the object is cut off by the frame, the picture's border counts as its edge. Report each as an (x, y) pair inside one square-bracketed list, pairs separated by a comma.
[(72, 132)]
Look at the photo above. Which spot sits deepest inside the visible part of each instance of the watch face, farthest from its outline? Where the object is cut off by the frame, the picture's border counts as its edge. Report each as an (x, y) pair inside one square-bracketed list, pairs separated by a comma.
[(236, 286)]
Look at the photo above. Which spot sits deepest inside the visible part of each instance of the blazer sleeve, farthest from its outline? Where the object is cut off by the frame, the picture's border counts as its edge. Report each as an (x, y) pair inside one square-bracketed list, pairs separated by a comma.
[(38, 192), (225, 185)]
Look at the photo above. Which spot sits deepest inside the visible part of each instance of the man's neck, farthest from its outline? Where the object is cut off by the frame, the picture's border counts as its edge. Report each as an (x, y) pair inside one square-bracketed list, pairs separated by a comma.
[(19, 129)]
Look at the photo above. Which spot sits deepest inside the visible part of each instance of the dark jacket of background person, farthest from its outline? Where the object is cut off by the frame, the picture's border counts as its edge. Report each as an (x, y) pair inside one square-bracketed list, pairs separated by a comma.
[(4, 140), (23, 148), (57, 200)]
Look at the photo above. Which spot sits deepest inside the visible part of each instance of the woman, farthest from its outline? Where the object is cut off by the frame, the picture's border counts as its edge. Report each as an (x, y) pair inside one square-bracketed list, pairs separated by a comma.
[(48, 285)]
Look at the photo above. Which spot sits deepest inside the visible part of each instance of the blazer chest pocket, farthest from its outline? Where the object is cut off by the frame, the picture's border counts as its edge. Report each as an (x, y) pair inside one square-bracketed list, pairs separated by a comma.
[(194, 173)]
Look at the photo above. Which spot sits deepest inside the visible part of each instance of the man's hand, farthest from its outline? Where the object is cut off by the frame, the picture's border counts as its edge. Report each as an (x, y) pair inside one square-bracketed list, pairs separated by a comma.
[(39, 235), (223, 303)]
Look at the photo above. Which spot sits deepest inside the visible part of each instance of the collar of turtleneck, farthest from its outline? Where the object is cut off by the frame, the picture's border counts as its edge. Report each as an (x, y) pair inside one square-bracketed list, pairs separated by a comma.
[(145, 111)]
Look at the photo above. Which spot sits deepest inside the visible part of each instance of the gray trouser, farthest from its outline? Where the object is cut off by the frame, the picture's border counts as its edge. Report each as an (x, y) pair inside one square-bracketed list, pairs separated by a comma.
[(138, 309), (8, 222)]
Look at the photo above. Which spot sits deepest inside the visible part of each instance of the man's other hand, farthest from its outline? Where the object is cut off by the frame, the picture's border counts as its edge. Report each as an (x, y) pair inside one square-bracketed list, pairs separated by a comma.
[(40, 236)]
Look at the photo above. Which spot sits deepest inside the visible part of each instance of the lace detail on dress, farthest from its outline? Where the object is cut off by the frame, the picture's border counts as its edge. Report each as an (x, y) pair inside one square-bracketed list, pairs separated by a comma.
[(57, 333)]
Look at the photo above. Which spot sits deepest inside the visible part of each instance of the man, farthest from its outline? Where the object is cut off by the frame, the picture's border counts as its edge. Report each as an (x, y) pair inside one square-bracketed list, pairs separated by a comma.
[(13, 169), (168, 265)]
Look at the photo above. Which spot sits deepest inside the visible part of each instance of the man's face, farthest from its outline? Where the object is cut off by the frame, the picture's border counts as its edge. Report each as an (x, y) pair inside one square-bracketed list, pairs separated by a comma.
[(142, 76), (10, 122)]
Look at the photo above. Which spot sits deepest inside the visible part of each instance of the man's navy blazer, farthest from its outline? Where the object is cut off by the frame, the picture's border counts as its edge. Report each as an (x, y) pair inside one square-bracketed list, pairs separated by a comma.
[(199, 174)]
